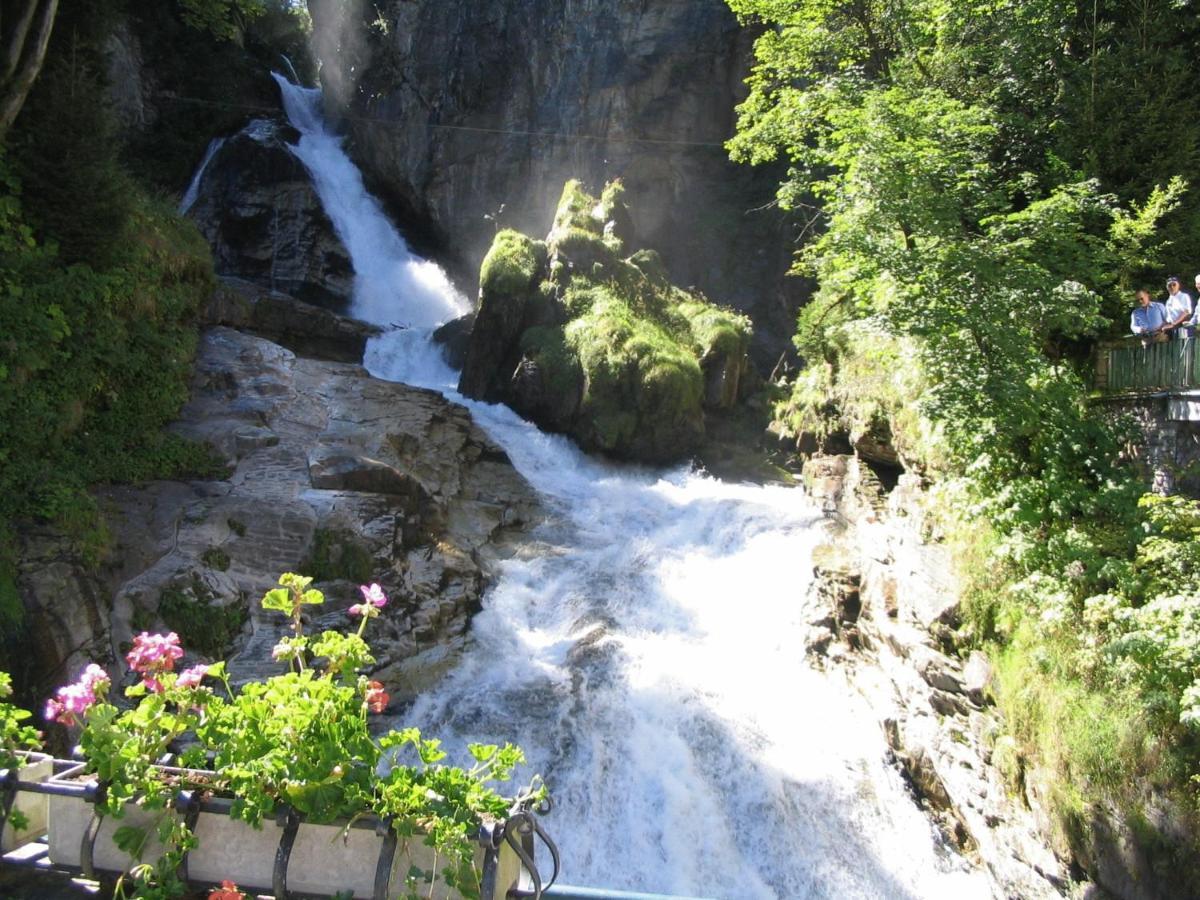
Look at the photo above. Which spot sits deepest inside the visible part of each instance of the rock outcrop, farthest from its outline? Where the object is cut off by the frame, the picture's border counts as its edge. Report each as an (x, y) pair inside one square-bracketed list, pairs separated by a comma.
[(331, 473), (889, 613), (258, 211), (304, 329), (585, 336), (464, 117)]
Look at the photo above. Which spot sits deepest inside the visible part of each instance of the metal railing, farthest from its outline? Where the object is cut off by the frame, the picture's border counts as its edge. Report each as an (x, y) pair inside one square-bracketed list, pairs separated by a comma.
[(1130, 365)]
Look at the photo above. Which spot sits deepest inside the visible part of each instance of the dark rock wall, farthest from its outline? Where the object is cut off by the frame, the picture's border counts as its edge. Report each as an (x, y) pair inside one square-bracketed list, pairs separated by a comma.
[(258, 211), (455, 108)]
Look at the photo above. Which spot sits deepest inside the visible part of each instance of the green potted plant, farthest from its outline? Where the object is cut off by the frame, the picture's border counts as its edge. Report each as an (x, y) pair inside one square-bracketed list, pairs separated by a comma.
[(297, 747), (20, 761)]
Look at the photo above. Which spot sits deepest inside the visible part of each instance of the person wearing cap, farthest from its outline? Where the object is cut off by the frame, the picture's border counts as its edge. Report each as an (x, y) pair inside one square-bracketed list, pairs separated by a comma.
[(1179, 310), (1149, 317)]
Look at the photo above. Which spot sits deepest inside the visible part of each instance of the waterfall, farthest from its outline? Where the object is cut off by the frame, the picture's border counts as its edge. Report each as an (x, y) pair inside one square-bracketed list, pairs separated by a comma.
[(648, 648), (193, 189)]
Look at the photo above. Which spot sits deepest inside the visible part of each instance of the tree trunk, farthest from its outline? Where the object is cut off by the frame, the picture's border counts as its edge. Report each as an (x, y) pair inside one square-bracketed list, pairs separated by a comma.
[(24, 38)]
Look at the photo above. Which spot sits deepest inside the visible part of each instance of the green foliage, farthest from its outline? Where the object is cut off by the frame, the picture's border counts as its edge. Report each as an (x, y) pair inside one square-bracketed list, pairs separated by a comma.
[(16, 736), (338, 555), (224, 19), (211, 77), (68, 157), (215, 558), (982, 211), (209, 628), (301, 738), (866, 386), (94, 362)]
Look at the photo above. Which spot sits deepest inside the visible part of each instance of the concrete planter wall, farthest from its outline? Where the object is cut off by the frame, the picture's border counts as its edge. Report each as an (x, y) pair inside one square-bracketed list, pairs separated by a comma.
[(37, 768), (322, 859)]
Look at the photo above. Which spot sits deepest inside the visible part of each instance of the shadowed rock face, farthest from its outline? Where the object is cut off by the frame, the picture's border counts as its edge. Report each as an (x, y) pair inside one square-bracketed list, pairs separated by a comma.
[(258, 211), (457, 107)]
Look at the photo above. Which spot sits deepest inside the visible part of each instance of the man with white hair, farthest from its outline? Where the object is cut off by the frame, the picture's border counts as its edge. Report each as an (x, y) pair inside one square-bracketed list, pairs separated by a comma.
[(1179, 310)]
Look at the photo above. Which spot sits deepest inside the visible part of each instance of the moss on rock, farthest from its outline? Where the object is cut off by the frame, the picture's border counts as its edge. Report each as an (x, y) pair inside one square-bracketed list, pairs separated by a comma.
[(188, 608), (606, 348), (511, 264)]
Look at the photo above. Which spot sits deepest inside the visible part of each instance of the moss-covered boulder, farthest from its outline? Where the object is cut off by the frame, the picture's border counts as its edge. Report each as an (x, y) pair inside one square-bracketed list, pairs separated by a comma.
[(507, 281), (585, 334)]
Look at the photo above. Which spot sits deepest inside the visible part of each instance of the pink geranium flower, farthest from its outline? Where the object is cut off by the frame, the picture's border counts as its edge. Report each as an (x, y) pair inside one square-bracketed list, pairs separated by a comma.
[(377, 698), (191, 678), (152, 655), (374, 595), (373, 599), (70, 702)]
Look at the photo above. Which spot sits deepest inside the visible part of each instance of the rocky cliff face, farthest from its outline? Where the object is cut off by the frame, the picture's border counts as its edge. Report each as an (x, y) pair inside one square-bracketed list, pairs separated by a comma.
[(890, 614), (890, 602), (458, 109), (331, 473)]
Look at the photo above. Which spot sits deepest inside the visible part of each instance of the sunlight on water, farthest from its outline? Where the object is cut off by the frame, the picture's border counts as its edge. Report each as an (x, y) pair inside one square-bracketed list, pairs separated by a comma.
[(650, 657)]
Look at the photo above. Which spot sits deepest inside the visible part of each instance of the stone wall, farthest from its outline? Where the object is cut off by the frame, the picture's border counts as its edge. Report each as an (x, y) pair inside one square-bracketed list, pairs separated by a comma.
[(1167, 447)]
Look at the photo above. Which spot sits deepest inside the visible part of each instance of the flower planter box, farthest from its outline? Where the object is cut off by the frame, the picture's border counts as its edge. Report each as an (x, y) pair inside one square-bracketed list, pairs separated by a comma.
[(324, 859), (36, 769)]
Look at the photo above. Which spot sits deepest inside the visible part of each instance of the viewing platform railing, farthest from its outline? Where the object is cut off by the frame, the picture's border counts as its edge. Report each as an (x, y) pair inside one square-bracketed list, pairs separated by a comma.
[(1129, 365)]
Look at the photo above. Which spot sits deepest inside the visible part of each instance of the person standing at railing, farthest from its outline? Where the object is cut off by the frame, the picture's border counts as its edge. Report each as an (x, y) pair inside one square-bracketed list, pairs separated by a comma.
[(1179, 310), (1149, 318), (1195, 319)]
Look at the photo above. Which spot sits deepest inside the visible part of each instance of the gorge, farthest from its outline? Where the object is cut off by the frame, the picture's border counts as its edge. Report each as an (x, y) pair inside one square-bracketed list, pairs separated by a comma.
[(772, 687)]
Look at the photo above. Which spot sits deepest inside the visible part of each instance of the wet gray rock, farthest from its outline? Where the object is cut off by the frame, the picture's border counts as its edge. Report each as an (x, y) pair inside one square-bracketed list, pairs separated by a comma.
[(928, 702), (303, 328), (330, 472), (258, 211)]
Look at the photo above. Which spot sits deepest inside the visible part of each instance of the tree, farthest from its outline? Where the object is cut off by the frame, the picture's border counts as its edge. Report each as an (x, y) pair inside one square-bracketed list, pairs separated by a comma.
[(25, 29)]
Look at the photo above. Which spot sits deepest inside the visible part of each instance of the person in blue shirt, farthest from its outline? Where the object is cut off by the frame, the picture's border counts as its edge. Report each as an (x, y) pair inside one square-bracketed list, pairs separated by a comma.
[(1149, 317)]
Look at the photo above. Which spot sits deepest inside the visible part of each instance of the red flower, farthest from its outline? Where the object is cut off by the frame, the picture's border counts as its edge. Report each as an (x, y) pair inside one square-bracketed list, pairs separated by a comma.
[(227, 891), (377, 698)]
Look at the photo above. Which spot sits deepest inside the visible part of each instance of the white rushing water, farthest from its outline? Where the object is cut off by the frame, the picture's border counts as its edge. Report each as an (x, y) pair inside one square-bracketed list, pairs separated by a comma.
[(647, 649), (193, 189)]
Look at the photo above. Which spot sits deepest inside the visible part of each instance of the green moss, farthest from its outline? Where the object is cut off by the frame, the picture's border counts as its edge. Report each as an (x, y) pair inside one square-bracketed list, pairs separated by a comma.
[(237, 526), (215, 558), (713, 329), (650, 264), (637, 376), (207, 628), (558, 363), (584, 249), (612, 200), (337, 555), (511, 265), (574, 210)]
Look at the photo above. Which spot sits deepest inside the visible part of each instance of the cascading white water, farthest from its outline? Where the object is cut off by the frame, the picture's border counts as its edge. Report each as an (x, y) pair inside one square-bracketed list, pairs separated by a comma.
[(648, 649), (193, 189), (384, 270)]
